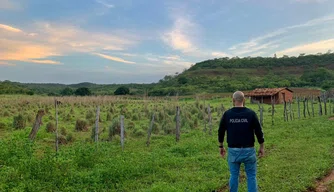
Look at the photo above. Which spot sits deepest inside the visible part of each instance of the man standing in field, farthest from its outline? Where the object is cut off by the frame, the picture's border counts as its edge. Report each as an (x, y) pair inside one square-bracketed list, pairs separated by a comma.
[(241, 123)]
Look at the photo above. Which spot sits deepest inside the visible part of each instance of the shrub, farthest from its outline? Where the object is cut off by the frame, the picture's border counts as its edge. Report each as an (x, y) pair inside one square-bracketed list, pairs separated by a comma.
[(109, 116), (63, 131), (70, 138), (135, 117), (50, 127), (194, 110), (81, 125), (114, 128), (139, 132), (2, 125), (19, 122), (89, 114), (6, 114), (62, 140), (155, 128), (131, 125)]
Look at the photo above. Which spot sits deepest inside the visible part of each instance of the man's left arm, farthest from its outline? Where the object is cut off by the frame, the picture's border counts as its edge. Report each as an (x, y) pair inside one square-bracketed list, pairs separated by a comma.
[(259, 134)]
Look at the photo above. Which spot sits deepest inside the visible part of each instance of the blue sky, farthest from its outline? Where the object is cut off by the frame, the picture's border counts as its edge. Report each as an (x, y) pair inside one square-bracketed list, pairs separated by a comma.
[(141, 41)]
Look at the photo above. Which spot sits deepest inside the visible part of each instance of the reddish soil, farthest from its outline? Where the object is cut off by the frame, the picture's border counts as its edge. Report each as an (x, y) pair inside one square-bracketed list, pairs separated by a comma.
[(321, 185)]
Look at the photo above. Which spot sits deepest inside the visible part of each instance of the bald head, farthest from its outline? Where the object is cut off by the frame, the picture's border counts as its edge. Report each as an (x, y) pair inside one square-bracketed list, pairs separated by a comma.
[(238, 98)]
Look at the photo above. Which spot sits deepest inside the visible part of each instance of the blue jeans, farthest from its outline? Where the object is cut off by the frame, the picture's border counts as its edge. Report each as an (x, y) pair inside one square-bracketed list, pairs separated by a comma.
[(236, 156)]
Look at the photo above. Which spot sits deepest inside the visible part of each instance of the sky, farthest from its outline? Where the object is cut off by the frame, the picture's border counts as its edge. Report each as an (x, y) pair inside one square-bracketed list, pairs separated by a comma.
[(141, 41)]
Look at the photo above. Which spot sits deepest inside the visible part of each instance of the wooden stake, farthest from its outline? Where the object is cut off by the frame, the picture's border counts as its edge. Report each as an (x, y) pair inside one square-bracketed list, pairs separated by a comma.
[(150, 131), (312, 106), (308, 111), (210, 120), (37, 124), (304, 109), (57, 139), (272, 110), (320, 107), (178, 124), (298, 107), (122, 132), (96, 138)]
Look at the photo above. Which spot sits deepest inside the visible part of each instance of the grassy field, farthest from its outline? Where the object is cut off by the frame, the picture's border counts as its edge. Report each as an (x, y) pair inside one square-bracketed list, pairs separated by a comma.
[(297, 152)]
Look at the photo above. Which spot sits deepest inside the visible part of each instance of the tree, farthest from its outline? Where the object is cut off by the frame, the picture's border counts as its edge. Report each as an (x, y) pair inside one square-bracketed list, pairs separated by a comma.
[(122, 91), (67, 92), (83, 91), (182, 80)]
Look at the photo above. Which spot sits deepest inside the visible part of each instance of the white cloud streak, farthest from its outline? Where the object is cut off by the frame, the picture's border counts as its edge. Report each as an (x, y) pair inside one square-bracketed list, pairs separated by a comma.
[(10, 28), (104, 3), (310, 48), (266, 43), (113, 58)]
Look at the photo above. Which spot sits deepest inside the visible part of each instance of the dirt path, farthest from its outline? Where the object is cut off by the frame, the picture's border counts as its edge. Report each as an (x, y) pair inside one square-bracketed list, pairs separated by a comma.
[(322, 185)]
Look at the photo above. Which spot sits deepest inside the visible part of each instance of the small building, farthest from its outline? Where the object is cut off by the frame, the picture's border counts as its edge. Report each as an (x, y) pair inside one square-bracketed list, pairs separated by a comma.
[(266, 95)]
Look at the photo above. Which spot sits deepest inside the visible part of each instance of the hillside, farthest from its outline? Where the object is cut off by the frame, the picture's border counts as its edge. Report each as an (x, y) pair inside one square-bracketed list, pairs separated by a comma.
[(229, 74), (213, 76)]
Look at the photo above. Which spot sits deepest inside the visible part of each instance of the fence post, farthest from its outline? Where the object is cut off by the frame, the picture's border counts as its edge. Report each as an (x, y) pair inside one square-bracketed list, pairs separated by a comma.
[(272, 111), (304, 109), (204, 116), (325, 103), (320, 107), (177, 123), (308, 111), (210, 120), (96, 136), (57, 139), (261, 113), (37, 124), (122, 132), (298, 107), (290, 109), (312, 106), (150, 131)]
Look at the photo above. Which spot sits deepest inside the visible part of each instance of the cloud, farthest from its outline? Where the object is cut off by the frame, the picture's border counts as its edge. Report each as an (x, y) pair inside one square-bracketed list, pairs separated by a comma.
[(220, 54), (4, 63), (104, 3), (309, 1), (9, 5), (9, 28), (179, 37), (311, 48), (44, 40), (50, 62), (113, 58), (273, 40)]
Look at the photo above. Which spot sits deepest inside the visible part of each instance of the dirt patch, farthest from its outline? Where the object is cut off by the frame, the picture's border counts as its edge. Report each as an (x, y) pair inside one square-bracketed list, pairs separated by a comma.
[(322, 185), (331, 118)]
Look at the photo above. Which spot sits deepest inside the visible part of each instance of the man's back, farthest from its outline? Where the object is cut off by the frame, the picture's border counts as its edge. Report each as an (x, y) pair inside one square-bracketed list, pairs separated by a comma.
[(240, 123)]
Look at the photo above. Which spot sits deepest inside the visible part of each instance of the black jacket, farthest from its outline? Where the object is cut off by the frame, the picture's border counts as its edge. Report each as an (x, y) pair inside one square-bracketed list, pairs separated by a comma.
[(240, 123)]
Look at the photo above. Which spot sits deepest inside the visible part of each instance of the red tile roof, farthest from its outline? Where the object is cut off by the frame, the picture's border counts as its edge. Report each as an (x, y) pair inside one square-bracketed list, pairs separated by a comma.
[(265, 91)]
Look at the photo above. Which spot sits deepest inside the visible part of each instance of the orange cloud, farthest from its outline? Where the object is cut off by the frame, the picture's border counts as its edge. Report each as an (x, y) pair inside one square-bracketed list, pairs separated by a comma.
[(48, 40), (113, 58), (9, 28), (316, 47)]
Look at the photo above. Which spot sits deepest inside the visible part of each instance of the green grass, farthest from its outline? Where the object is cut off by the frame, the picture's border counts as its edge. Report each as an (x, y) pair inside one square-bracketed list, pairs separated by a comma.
[(297, 153)]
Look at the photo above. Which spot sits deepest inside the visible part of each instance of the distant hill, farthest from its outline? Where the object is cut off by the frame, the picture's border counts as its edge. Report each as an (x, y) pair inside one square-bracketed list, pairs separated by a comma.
[(230, 74), (217, 75)]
